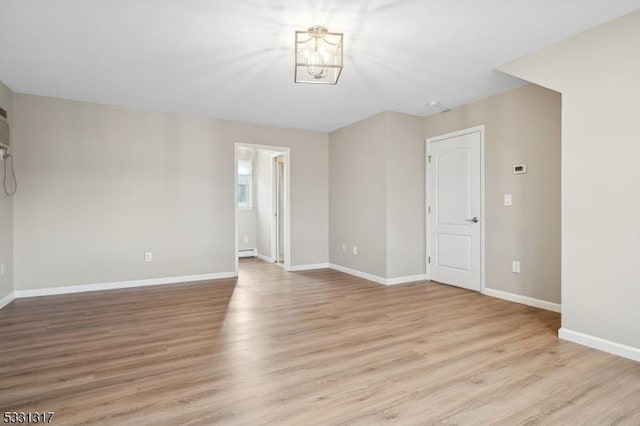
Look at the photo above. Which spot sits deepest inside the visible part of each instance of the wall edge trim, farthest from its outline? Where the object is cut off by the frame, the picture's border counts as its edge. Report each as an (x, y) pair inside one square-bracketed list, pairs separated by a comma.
[(524, 300), (599, 343), (7, 299), (83, 288), (309, 267), (406, 279), (377, 279), (265, 258)]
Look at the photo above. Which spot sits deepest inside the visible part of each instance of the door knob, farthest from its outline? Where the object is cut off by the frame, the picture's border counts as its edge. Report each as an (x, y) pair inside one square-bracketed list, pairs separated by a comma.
[(473, 220)]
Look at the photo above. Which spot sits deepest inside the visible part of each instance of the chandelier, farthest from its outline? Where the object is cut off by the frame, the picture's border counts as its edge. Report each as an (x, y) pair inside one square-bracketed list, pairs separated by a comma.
[(318, 56)]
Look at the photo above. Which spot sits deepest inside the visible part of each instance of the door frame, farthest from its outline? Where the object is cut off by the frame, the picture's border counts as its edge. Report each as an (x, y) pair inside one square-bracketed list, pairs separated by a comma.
[(275, 225), (287, 194), (428, 200)]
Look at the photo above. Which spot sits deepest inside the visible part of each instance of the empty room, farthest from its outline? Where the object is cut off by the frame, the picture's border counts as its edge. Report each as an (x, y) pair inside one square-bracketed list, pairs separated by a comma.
[(293, 212)]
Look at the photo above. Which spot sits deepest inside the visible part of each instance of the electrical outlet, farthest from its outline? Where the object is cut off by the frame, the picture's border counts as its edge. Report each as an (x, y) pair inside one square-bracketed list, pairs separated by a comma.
[(245, 239), (344, 247), (508, 200), (148, 257), (2, 269), (355, 249), (519, 169), (516, 267)]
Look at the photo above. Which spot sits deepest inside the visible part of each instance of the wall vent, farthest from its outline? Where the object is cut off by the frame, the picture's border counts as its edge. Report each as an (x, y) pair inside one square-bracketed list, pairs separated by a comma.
[(4, 131)]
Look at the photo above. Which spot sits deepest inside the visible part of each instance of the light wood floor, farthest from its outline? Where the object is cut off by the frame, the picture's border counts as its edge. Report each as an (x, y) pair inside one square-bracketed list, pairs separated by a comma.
[(316, 347)]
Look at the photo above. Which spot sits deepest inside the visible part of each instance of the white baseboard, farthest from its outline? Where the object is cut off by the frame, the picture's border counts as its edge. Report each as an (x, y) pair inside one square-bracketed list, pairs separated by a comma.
[(600, 344), (121, 284), (407, 279), (294, 268), (357, 273), (247, 253), (265, 258), (377, 279), (7, 299), (530, 301)]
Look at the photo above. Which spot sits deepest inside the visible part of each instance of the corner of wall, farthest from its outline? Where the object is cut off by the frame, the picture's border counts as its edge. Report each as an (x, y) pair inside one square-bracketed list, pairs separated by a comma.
[(587, 75), (7, 283), (404, 197)]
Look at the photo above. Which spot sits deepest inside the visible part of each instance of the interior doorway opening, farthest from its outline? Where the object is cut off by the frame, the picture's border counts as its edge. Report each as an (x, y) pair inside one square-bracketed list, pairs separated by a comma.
[(262, 208)]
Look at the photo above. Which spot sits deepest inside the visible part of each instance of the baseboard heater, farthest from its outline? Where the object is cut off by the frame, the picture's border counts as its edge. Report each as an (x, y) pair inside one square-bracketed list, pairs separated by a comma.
[(247, 252)]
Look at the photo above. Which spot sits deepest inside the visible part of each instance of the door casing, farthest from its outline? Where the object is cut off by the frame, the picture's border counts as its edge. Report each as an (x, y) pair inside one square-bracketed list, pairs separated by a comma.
[(275, 228)]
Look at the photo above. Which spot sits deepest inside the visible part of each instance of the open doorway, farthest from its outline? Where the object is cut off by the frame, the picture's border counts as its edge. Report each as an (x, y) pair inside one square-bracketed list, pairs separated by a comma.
[(262, 210)]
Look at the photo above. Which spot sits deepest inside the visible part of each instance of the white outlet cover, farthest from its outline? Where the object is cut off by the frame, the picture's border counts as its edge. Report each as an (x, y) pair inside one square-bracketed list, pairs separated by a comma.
[(519, 169), (508, 200), (355, 249)]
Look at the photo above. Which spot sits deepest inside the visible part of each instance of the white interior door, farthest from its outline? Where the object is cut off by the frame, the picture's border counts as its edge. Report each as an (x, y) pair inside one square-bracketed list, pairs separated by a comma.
[(454, 213)]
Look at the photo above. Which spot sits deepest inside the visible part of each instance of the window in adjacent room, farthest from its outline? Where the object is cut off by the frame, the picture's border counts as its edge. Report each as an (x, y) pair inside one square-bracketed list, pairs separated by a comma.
[(245, 184)]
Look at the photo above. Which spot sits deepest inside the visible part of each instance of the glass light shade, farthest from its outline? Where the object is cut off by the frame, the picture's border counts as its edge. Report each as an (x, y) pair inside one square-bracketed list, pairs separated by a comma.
[(318, 56)]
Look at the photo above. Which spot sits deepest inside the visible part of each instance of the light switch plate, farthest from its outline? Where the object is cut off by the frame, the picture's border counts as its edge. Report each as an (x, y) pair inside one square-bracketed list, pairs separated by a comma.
[(508, 200), (516, 267)]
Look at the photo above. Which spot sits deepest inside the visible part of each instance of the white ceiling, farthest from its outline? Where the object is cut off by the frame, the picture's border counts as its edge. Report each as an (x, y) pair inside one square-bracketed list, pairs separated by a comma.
[(233, 59)]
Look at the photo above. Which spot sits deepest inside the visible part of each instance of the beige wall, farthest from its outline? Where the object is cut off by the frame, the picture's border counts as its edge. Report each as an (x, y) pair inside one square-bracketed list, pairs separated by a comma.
[(247, 218), (357, 188), (100, 185), (6, 210), (377, 195), (598, 74), (521, 126), (405, 152), (264, 202)]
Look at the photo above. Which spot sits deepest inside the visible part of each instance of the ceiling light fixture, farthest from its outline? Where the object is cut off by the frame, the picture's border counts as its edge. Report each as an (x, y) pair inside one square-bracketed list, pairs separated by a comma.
[(318, 56)]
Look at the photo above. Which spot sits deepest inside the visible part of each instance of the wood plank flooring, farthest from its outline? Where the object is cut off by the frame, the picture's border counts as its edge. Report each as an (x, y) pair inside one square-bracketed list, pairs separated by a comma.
[(317, 347)]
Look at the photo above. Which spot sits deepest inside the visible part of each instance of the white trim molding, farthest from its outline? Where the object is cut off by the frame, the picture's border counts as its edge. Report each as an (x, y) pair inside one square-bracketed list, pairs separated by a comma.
[(407, 279), (296, 268), (377, 279), (121, 284), (7, 299), (358, 274), (265, 258), (530, 301), (599, 343)]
